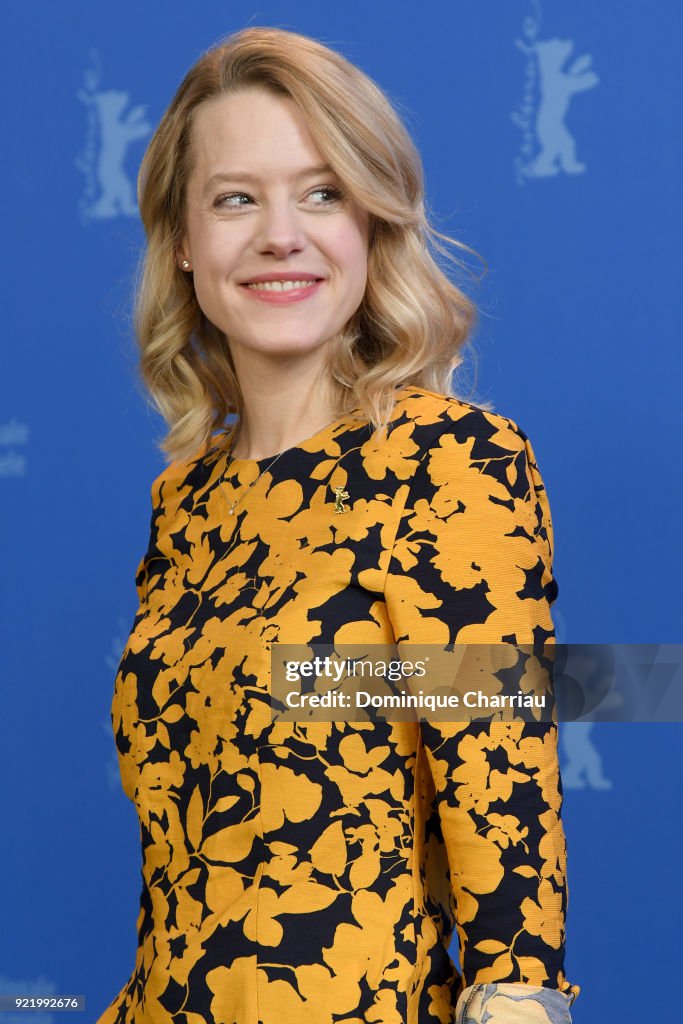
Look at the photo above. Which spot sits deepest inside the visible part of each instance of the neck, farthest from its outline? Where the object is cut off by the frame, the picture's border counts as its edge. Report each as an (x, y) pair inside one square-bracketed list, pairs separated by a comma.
[(275, 420)]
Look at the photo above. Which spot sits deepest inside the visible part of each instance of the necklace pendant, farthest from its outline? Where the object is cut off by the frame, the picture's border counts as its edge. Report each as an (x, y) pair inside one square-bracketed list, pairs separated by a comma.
[(229, 460)]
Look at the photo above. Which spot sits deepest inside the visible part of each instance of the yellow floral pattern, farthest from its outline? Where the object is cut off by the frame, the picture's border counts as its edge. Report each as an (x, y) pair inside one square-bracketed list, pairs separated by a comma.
[(317, 871)]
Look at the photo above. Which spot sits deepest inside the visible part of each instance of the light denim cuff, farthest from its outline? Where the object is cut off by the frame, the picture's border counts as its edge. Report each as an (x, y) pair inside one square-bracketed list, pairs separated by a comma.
[(513, 1003)]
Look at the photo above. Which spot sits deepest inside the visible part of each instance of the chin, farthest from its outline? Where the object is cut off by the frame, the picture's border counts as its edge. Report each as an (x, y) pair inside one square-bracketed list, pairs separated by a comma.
[(286, 346)]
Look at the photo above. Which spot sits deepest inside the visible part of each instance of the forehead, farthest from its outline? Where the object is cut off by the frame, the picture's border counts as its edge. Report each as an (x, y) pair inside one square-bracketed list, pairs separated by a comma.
[(252, 130)]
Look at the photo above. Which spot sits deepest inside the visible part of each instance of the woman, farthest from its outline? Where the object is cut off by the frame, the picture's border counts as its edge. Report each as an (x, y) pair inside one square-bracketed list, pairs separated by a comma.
[(317, 871)]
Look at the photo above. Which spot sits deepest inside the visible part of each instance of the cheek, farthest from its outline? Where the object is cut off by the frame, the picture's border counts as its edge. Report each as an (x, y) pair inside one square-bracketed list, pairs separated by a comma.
[(220, 252), (214, 247), (350, 249), (215, 268)]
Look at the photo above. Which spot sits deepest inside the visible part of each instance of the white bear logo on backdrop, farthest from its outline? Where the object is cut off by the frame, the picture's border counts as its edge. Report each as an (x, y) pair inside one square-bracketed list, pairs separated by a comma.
[(581, 763), (13, 441), (548, 146), (40, 987), (109, 190)]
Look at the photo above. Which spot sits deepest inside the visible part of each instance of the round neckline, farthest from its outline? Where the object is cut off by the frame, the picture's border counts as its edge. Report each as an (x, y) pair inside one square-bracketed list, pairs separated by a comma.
[(263, 463), (347, 417)]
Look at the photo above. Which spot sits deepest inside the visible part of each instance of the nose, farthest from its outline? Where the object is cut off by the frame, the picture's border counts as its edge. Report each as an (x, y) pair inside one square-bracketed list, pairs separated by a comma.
[(281, 228)]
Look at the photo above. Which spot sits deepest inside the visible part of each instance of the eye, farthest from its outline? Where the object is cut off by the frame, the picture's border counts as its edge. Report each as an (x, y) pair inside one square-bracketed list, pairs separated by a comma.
[(334, 195), (233, 195), (330, 191)]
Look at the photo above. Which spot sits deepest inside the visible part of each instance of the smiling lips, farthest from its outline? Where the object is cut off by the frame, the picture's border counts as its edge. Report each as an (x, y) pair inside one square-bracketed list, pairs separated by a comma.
[(280, 285), (279, 288), (283, 275)]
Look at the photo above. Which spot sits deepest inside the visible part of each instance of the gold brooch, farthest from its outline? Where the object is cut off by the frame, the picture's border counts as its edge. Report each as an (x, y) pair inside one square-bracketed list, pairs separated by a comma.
[(340, 496)]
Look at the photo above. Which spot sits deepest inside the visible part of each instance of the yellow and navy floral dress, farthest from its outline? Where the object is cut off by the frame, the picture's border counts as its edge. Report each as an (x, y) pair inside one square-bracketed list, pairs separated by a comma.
[(315, 872)]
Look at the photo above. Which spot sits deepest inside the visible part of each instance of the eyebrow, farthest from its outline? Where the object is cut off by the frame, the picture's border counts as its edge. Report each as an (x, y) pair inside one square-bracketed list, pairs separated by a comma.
[(304, 172)]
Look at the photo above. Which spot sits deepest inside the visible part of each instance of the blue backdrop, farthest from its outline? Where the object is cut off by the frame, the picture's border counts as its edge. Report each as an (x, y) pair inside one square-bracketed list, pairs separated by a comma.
[(550, 134)]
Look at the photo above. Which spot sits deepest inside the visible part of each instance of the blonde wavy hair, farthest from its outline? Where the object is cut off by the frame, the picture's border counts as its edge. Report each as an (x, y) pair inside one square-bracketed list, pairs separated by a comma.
[(413, 321)]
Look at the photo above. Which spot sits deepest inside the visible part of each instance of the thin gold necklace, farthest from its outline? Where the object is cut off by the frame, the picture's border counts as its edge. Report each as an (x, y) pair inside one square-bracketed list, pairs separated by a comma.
[(233, 504)]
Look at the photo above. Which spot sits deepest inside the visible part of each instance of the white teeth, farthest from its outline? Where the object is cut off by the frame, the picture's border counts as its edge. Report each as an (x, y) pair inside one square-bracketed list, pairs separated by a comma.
[(281, 286)]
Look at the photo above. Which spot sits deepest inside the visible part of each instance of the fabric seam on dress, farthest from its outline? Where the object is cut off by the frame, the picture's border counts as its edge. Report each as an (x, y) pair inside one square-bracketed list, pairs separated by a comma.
[(419, 771), (410, 483)]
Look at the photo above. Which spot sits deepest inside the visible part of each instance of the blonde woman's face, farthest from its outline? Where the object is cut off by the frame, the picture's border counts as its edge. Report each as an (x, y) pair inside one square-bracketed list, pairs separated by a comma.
[(257, 205)]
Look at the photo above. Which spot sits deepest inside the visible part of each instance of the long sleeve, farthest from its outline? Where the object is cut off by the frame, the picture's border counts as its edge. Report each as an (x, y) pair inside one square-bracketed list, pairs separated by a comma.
[(472, 563)]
